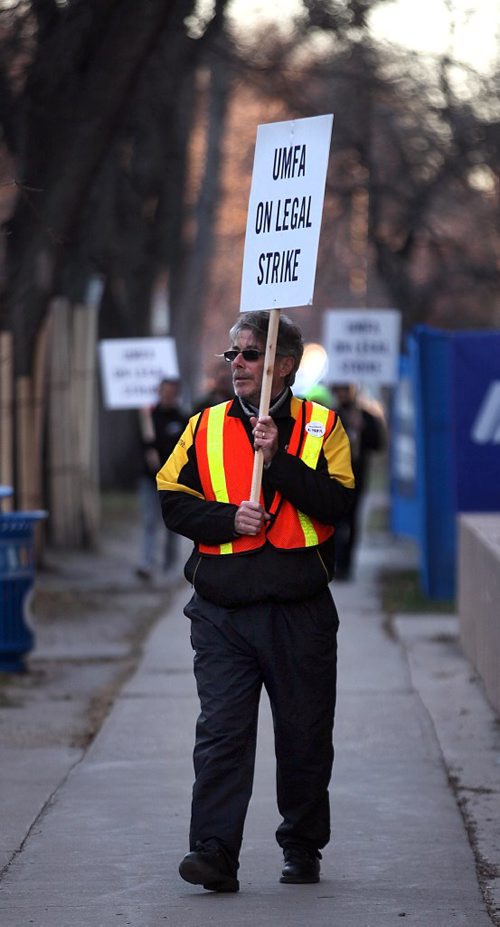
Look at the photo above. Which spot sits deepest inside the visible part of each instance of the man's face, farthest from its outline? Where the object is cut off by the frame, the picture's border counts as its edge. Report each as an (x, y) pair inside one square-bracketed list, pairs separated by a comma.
[(345, 392), (167, 394), (247, 375)]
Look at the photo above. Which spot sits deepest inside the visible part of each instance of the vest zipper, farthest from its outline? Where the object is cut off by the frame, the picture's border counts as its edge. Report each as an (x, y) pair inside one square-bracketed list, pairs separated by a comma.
[(323, 564), (195, 571)]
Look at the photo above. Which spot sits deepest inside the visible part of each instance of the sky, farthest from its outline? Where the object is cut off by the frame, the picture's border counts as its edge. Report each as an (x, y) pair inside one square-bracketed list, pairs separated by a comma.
[(421, 25), (425, 26)]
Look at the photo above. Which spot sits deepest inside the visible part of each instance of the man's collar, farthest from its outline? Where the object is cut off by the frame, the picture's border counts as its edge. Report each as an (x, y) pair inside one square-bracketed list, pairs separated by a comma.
[(279, 409)]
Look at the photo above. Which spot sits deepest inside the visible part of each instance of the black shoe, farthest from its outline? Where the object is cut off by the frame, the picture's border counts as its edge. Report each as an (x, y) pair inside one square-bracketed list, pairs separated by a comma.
[(210, 868), (301, 866)]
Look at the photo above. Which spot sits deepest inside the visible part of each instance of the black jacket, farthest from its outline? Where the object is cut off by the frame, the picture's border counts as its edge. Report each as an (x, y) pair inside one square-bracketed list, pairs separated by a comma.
[(267, 573)]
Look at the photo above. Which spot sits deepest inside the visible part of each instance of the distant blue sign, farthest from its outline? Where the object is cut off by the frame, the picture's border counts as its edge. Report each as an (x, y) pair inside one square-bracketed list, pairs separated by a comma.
[(430, 364), (476, 418)]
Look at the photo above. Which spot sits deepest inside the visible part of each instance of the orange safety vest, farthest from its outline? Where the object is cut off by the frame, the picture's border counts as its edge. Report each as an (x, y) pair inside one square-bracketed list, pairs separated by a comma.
[(225, 464)]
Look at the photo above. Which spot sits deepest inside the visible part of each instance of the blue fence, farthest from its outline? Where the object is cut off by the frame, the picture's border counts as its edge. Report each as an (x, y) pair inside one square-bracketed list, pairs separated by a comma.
[(452, 385), (403, 456)]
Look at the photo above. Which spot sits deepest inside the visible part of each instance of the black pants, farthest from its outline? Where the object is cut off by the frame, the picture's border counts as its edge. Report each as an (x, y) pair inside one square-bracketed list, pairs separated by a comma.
[(291, 649)]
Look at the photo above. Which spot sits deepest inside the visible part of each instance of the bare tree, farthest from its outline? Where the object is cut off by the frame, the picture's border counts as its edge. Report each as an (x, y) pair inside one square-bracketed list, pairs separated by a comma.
[(415, 151), (96, 110), (92, 63)]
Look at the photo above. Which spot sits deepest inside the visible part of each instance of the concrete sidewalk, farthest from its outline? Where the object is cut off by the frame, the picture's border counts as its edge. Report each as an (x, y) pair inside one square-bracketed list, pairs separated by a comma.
[(105, 850)]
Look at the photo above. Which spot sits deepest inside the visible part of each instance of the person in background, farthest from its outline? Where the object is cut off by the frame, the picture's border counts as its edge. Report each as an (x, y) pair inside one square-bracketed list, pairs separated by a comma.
[(364, 423), (221, 388), (160, 429), (262, 613)]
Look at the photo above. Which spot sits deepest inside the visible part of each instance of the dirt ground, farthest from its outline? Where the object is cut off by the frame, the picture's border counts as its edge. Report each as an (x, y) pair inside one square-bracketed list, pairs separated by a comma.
[(90, 615)]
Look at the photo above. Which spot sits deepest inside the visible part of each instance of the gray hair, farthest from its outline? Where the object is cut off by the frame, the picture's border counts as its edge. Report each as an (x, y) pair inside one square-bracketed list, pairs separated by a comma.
[(290, 342)]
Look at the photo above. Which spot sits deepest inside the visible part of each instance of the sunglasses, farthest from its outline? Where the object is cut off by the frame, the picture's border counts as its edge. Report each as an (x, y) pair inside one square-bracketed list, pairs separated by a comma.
[(248, 354)]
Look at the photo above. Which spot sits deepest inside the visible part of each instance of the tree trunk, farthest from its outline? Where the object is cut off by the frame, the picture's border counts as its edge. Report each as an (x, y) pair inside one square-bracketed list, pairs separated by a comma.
[(77, 126), (189, 303), (84, 388), (72, 435)]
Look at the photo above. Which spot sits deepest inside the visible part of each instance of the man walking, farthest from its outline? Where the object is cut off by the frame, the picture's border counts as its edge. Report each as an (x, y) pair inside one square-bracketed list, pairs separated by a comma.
[(261, 612), (364, 424), (160, 429)]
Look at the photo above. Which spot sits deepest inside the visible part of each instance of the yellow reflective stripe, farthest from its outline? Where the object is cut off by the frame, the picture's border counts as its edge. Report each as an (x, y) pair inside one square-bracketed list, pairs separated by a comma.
[(310, 454), (215, 457), (313, 443), (310, 534), (215, 454)]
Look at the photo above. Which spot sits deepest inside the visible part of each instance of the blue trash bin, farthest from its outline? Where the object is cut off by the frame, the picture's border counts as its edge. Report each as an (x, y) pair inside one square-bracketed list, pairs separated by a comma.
[(17, 575)]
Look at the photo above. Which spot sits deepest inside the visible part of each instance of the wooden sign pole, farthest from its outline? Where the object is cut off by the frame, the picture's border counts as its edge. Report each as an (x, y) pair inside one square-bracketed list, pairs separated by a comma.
[(265, 397), (279, 260)]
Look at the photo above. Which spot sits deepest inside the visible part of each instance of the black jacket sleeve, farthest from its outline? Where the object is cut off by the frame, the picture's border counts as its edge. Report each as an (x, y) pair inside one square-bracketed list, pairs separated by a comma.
[(197, 519)]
